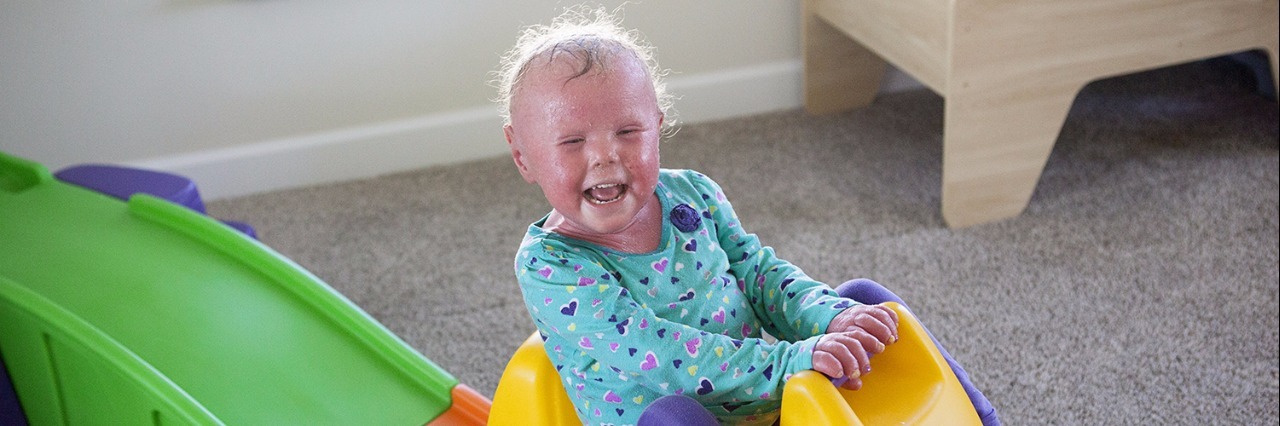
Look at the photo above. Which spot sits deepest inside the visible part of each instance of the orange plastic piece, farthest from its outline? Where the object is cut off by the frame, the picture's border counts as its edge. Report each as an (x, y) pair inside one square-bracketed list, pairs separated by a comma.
[(468, 408)]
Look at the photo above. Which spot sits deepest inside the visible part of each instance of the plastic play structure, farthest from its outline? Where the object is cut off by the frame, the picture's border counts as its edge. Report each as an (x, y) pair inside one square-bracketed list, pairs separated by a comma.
[(912, 385), (147, 311)]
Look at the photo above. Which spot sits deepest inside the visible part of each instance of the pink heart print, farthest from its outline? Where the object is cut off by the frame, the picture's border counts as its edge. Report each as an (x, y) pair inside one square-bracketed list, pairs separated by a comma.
[(691, 346), (650, 362), (661, 265)]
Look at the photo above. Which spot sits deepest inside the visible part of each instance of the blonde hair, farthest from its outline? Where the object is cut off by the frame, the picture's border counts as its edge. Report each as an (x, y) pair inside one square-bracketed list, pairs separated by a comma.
[(591, 36)]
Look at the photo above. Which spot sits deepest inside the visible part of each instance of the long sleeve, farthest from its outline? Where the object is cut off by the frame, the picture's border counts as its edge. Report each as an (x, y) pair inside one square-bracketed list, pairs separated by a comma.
[(792, 305)]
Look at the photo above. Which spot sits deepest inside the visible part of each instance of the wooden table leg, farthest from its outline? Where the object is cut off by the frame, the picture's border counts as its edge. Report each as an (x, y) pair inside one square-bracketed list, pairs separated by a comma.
[(840, 74), (995, 145)]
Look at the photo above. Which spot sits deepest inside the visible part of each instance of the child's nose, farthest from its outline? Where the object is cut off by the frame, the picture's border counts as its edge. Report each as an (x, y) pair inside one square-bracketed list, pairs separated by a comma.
[(604, 152)]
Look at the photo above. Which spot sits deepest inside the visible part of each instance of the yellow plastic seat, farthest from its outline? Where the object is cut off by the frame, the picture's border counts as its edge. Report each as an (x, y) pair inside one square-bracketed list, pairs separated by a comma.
[(529, 392), (910, 384)]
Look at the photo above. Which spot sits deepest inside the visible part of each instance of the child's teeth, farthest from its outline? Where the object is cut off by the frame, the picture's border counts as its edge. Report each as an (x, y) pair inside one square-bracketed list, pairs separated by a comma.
[(601, 194)]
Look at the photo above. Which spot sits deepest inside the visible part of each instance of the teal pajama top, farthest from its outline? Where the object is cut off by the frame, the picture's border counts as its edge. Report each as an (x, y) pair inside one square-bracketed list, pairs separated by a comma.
[(625, 329)]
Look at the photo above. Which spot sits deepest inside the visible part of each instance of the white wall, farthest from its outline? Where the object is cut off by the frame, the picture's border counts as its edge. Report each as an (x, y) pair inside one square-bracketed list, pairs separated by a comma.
[(252, 95)]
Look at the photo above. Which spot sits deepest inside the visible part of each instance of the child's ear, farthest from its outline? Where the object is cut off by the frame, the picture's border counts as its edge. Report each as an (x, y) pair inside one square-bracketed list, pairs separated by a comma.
[(516, 155)]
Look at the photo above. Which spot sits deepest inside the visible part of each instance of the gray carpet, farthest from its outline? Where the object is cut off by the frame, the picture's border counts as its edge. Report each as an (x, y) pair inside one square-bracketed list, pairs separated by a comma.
[(1139, 286)]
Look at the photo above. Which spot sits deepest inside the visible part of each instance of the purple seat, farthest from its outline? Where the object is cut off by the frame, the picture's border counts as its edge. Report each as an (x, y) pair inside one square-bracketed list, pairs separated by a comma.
[(122, 182)]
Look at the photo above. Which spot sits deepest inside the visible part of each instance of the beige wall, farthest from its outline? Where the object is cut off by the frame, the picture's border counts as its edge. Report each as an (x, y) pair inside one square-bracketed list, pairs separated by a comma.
[(252, 95)]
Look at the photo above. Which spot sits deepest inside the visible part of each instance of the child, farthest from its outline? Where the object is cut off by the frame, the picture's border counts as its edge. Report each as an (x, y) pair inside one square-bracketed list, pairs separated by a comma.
[(649, 293)]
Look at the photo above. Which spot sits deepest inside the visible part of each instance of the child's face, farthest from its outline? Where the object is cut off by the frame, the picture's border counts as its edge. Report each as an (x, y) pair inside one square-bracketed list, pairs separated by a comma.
[(590, 143)]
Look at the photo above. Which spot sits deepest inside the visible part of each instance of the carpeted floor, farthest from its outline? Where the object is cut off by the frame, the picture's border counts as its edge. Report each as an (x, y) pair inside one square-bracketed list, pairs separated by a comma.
[(1139, 286)]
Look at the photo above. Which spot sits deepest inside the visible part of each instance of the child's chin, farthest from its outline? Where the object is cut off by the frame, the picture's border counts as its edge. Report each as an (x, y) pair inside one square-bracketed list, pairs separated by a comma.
[(606, 225)]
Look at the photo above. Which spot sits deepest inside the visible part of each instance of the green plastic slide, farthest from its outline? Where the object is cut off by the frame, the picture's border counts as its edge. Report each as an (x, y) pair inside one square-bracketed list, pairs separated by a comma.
[(146, 312)]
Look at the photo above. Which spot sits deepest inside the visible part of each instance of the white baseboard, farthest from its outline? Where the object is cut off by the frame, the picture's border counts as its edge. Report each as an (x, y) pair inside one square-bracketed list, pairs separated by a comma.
[(754, 90), (340, 155), (737, 92), (456, 136)]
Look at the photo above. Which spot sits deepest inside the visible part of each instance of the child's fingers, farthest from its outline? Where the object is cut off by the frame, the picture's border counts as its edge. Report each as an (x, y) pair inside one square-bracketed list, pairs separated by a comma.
[(875, 330), (852, 384), (888, 318), (832, 358), (878, 320), (852, 353), (839, 355), (886, 315), (869, 343), (893, 315), (826, 363), (843, 321)]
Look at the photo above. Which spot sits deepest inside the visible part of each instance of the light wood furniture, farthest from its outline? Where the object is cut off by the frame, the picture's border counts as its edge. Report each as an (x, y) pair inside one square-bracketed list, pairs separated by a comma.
[(1009, 70)]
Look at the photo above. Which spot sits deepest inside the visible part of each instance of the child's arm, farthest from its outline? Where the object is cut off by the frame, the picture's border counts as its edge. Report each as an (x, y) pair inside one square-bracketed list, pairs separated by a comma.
[(792, 305)]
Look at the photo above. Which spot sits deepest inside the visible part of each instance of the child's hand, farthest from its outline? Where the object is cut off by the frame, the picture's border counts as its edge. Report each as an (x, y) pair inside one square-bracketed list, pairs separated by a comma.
[(842, 356), (879, 321), (854, 336)]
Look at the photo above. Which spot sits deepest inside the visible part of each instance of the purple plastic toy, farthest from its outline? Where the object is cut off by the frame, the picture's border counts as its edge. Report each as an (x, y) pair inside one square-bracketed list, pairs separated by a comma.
[(122, 182)]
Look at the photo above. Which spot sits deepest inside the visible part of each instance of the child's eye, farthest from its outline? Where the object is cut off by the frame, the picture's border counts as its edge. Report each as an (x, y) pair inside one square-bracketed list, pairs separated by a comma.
[(571, 141)]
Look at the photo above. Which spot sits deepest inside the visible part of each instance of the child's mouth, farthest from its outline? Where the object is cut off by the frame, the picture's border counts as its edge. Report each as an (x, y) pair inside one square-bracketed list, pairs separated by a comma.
[(605, 193)]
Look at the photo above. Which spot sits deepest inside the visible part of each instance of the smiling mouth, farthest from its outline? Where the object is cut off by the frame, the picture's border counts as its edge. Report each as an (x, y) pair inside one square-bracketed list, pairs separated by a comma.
[(605, 193)]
